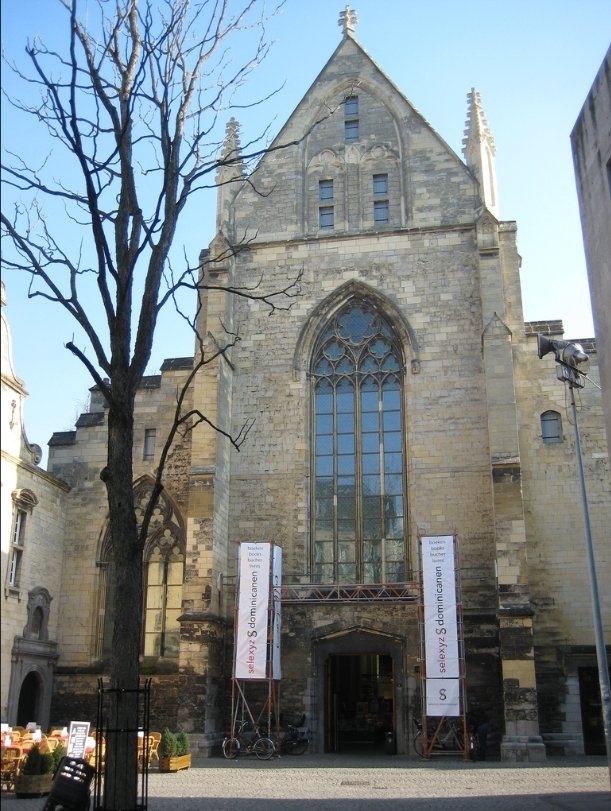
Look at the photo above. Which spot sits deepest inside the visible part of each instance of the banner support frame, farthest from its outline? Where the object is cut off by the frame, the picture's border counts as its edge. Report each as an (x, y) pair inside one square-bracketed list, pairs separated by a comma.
[(240, 706)]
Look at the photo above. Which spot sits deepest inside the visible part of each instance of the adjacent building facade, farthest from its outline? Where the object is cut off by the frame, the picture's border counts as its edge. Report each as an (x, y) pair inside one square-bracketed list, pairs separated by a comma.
[(32, 519), (400, 395), (591, 143)]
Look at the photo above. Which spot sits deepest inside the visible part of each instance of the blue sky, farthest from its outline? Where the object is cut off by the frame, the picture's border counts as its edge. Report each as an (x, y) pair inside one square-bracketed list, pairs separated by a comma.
[(533, 62)]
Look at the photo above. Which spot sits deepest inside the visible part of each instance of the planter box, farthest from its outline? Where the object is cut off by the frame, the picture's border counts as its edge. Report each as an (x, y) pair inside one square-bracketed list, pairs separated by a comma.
[(33, 785), (174, 764)]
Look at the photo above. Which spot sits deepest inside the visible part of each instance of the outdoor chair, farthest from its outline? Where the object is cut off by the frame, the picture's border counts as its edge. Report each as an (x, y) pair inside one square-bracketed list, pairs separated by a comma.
[(154, 739), (11, 758)]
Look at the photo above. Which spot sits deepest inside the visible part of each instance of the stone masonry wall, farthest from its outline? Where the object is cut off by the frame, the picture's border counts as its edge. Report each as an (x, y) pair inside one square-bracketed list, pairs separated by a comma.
[(78, 459), (559, 576), (447, 454)]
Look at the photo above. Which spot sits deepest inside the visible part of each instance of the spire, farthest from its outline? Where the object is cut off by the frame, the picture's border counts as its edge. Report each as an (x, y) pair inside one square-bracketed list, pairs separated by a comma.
[(479, 151), (231, 165), (231, 171), (347, 21)]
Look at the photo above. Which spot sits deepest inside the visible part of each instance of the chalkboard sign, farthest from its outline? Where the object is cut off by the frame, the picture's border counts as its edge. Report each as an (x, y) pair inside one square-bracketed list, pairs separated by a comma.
[(77, 737)]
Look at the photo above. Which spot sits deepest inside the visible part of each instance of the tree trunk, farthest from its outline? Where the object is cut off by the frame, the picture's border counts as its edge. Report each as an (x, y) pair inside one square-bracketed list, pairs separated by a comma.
[(121, 782)]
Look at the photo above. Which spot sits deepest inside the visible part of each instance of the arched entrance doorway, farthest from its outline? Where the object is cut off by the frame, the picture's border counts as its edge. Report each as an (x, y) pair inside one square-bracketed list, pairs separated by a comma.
[(359, 709), (33, 658), (360, 691), (28, 708)]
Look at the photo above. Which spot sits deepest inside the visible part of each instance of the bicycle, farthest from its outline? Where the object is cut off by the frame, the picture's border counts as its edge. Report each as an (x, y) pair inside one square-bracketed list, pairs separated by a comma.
[(296, 739), (447, 735), (248, 739)]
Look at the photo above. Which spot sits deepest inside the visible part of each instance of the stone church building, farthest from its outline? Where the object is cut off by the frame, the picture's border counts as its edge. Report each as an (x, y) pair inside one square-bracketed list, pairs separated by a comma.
[(399, 396)]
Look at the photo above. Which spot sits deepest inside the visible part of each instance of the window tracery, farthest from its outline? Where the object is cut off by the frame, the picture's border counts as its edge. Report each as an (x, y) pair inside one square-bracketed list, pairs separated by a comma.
[(163, 573), (358, 493)]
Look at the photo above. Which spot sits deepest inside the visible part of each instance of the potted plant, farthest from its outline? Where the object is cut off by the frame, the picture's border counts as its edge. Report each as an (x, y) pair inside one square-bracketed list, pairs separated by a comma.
[(173, 756), (57, 754), (36, 775), (183, 748)]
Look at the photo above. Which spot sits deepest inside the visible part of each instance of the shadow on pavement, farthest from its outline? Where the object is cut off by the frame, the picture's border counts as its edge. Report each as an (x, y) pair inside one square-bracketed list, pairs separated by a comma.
[(333, 761), (586, 801)]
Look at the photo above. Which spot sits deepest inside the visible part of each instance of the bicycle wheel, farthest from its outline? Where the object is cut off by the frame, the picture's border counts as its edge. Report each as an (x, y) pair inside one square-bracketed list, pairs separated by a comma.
[(473, 746), (299, 747), (264, 748), (454, 739), (231, 748), (419, 744)]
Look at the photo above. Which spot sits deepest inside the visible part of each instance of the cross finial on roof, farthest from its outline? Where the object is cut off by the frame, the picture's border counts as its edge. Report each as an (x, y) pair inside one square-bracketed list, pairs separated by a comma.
[(348, 20)]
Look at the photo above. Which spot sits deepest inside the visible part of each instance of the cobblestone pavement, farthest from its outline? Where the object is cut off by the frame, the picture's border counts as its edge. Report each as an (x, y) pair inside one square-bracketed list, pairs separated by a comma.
[(360, 783)]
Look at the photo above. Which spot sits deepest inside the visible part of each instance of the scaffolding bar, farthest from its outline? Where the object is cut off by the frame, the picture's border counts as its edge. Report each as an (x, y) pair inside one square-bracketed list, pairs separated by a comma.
[(353, 593)]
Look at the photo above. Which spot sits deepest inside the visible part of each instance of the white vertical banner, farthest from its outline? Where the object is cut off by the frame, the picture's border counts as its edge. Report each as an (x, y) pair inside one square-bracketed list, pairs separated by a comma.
[(253, 611), (440, 625), (277, 627)]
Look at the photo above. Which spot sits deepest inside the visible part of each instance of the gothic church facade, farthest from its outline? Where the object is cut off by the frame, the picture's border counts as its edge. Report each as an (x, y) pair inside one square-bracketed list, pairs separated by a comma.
[(400, 395)]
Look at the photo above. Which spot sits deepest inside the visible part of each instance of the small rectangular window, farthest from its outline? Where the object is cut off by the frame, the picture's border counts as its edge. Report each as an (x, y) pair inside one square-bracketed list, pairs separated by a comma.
[(351, 124), (326, 217), (15, 568), (351, 107), (149, 443), (551, 427), (17, 548), (19, 528), (351, 130), (380, 184), (380, 211), (325, 190)]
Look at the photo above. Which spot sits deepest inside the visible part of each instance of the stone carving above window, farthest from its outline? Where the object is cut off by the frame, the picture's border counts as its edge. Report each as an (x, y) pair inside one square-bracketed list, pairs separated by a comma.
[(24, 499), (323, 160), (381, 152)]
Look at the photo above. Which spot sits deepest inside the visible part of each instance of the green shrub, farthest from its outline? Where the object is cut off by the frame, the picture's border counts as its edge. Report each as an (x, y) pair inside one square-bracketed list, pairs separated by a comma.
[(38, 762), (183, 745), (167, 744), (57, 754)]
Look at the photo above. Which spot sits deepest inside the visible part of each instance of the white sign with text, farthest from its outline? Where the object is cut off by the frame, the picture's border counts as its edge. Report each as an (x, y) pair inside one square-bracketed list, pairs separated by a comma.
[(440, 625), (253, 611)]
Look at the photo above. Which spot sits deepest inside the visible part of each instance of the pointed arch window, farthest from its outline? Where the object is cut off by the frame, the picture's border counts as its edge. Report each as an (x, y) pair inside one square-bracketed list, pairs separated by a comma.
[(164, 576), (359, 506), (164, 564)]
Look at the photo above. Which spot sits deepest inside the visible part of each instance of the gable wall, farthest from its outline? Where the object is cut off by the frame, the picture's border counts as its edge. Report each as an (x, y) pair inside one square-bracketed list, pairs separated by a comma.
[(429, 185)]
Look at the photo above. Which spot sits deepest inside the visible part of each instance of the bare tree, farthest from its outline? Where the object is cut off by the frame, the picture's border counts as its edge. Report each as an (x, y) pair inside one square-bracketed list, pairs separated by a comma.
[(133, 100)]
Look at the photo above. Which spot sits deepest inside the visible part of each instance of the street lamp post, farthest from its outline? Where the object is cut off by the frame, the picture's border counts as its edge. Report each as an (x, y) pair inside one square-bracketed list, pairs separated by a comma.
[(568, 356)]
